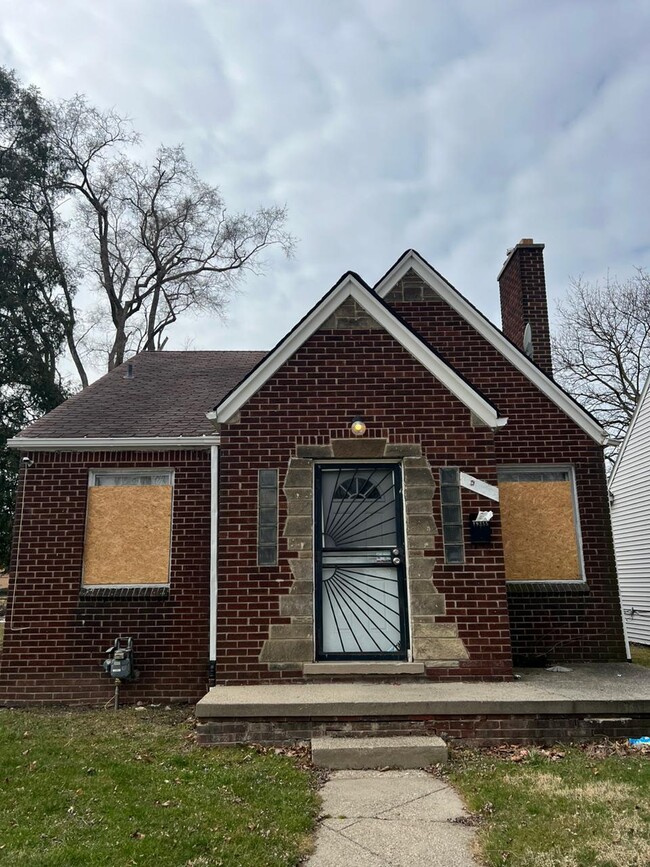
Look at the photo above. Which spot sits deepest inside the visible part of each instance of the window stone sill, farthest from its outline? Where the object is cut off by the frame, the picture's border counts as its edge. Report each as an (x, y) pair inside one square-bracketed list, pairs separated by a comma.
[(545, 588), (146, 593)]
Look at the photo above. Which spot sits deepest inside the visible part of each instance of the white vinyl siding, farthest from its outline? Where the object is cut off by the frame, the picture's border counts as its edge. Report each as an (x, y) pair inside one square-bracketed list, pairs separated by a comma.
[(630, 492)]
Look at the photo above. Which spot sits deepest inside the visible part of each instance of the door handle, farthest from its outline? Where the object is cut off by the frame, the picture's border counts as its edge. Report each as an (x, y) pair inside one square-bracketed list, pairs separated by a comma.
[(396, 561)]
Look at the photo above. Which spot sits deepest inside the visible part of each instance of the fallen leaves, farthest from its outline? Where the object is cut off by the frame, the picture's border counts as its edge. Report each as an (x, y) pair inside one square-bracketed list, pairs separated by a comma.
[(517, 753)]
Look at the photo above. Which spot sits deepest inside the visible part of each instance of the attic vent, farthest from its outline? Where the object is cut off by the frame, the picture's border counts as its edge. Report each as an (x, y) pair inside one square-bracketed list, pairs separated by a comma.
[(528, 340)]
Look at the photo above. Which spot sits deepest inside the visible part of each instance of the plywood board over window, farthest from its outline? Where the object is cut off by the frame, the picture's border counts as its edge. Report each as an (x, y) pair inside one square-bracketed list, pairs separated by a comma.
[(540, 540), (128, 529)]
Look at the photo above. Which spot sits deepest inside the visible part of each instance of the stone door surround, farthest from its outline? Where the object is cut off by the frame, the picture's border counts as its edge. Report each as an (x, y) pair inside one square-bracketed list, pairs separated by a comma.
[(291, 645)]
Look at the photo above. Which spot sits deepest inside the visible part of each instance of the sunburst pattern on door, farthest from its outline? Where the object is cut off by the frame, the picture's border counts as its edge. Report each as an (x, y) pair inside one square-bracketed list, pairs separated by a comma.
[(363, 609)]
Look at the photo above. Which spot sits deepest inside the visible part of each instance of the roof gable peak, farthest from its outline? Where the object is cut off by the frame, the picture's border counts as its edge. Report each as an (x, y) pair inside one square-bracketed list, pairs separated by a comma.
[(350, 285), (412, 260)]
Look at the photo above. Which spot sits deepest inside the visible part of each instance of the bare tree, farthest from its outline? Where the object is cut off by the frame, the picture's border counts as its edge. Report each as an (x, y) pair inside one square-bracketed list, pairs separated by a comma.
[(158, 240), (602, 347), (154, 241)]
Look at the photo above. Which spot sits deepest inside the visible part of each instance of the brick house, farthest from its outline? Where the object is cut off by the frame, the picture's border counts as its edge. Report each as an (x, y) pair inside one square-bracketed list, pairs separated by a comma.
[(397, 487)]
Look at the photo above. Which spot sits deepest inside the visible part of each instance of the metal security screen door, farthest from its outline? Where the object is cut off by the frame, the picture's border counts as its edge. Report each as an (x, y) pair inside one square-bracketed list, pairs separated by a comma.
[(360, 577)]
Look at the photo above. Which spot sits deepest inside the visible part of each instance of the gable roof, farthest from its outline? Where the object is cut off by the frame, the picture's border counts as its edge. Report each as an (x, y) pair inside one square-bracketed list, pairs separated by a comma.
[(352, 286), (169, 392), (640, 408), (412, 260), (167, 397)]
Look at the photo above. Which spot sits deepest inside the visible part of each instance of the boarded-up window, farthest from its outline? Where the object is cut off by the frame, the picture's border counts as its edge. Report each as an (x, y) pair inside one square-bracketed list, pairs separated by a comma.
[(128, 528), (540, 541)]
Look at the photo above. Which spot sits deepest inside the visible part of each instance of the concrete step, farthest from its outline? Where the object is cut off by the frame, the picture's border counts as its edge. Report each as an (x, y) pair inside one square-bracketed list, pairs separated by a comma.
[(387, 752)]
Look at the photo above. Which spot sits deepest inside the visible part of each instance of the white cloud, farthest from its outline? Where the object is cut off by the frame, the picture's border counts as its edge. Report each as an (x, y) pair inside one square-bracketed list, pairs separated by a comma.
[(455, 128)]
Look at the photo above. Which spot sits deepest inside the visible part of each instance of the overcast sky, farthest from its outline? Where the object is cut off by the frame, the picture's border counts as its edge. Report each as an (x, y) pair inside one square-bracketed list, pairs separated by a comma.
[(455, 127)]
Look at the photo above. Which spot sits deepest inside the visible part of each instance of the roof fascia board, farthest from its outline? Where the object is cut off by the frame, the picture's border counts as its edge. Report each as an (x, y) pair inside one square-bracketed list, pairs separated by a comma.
[(50, 444), (351, 288), (645, 395), (413, 260)]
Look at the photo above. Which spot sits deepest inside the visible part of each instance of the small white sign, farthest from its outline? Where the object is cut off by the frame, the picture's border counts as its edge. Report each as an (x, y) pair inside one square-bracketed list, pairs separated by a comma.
[(480, 487)]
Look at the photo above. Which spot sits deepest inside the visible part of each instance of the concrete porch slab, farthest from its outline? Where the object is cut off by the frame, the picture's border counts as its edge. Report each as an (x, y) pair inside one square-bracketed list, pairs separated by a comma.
[(613, 689)]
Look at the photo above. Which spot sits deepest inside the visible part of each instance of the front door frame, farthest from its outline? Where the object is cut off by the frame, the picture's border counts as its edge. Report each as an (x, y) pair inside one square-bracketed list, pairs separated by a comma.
[(402, 584)]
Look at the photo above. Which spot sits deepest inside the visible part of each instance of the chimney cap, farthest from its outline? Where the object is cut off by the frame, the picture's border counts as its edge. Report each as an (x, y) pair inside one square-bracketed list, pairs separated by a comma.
[(525, 242)]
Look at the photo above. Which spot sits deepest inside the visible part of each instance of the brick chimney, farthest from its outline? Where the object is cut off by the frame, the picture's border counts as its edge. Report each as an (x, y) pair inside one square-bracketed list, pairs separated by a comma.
[(524, 312)]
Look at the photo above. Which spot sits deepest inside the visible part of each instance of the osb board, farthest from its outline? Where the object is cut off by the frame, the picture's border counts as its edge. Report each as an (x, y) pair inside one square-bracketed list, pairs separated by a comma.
[(539, 534), (128, 535)]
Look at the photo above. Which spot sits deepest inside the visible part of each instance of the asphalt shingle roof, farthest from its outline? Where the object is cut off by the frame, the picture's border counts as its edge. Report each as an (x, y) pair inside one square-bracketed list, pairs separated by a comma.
[(169, 394)]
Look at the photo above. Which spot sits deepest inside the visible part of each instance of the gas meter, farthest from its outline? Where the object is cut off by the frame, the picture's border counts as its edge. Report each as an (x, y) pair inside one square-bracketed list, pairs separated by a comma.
[(119, 660)]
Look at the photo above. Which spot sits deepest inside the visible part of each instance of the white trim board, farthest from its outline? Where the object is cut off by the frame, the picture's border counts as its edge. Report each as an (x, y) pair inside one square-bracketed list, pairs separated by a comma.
[(412, 260), (104, 444), (350, 287), (479, 486)]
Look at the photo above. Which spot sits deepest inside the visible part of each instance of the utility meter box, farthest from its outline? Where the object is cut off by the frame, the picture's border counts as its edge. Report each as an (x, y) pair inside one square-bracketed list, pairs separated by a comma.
[(119, 660)]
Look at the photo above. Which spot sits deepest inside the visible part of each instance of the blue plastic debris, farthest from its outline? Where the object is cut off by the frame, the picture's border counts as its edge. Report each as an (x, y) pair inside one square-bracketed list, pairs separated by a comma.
[(639, 742)]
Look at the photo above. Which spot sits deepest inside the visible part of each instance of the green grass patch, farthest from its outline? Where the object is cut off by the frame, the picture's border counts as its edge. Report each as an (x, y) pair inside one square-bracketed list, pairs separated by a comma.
[(640, 654), (103, 788), (568, 807)]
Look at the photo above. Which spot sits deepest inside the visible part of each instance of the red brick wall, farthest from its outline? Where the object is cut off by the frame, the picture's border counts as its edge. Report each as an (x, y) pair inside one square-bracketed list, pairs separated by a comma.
[(548, 622), (55, 640), (463, 730), (314, 397), (522, 288)]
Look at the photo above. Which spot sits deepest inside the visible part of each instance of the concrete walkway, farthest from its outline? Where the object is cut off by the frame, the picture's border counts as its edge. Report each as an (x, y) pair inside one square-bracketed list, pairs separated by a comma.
[(391, 819)]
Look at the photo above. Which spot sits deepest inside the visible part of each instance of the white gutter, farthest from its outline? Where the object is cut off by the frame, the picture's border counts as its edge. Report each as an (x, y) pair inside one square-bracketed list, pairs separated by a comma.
[(214, 513), (68, 444)]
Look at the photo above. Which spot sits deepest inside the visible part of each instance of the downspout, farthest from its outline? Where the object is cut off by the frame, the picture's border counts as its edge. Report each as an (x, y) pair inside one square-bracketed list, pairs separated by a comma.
[(214, 510)]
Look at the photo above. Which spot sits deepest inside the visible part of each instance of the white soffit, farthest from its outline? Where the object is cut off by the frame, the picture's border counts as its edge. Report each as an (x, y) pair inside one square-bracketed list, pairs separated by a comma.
[(350, 287), (413, 261)]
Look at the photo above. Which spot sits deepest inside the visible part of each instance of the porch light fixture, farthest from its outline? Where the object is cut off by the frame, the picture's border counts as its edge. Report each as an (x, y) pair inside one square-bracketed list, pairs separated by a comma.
[(358, 426)]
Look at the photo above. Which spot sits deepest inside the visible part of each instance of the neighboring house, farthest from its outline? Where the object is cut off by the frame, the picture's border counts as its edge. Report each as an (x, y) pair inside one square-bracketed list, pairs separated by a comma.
[(630, 507), (320, 520)]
